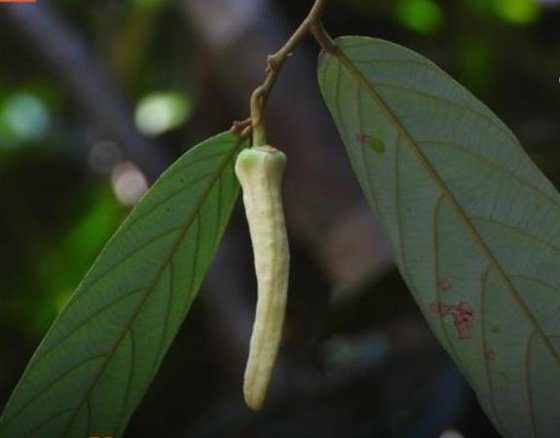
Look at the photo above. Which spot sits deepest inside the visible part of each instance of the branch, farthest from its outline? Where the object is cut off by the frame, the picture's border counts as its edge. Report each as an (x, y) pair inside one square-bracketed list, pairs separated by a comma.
[(275, 62)]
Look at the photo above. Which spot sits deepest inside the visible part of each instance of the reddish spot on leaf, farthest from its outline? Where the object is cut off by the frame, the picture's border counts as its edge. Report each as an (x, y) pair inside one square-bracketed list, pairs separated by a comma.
[(443, 284), (363, 139), (462, 316), (372, 143), (490, 355)]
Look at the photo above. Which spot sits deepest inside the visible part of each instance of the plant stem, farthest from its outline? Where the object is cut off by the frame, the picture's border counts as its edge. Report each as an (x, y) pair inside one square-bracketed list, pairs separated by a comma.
[(311, 24), (323, 38)]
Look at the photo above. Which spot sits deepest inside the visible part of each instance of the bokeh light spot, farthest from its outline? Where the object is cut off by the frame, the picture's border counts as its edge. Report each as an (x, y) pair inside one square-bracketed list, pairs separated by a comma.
[(23, 117), (451, 434), (158, 113), (521, 12), (422, 16), (129, 183)]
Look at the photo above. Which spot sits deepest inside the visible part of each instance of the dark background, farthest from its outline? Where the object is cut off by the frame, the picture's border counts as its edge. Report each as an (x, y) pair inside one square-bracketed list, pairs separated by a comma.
[(98, 97)]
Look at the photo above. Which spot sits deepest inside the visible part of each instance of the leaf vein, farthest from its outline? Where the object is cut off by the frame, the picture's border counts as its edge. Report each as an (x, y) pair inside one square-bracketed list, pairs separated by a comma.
[(163, 201), (536, 280), (484, 342), (447, 101), (528, 383), (45, 352), (518, 230), (46, 421), (497, 166), (128, 380), (50, 385), (127, 256), (436, 249)]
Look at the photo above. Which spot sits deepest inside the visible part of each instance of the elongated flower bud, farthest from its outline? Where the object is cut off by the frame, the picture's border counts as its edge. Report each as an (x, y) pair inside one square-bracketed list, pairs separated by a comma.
[(260, 171)]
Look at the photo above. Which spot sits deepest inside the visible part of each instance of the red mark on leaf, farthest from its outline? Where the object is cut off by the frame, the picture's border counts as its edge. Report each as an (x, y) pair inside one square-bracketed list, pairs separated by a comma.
[(443, 284), (462, 316), (363, 139), (490, 355)]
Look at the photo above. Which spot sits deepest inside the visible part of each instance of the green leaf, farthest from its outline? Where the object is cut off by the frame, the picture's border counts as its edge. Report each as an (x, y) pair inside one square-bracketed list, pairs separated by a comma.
[(474, 225), (98, 358)]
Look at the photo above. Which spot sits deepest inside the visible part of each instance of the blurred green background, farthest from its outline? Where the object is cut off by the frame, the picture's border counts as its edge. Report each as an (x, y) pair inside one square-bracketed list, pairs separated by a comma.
[(97, 98)]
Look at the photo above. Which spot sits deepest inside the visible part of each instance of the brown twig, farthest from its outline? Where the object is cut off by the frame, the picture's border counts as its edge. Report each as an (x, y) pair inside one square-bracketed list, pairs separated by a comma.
[(311, 24)]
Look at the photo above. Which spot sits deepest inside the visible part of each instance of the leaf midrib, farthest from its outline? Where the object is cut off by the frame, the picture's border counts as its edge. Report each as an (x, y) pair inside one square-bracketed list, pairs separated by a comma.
[(437, 180)]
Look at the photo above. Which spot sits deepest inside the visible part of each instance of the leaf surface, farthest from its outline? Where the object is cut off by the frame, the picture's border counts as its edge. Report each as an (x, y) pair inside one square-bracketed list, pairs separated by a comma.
[(97, 360), (474, 224)]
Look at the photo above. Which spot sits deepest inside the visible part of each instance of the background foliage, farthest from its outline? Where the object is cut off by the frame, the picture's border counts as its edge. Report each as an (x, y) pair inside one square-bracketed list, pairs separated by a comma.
[(96, 100)]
